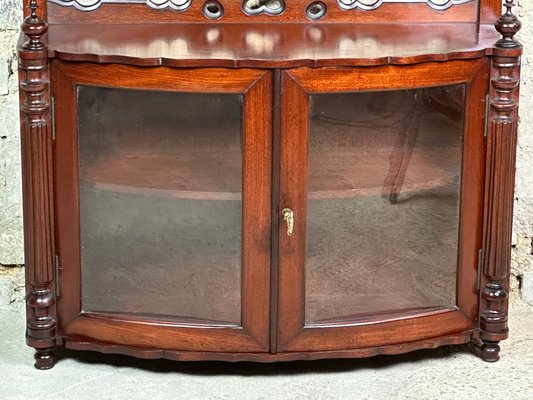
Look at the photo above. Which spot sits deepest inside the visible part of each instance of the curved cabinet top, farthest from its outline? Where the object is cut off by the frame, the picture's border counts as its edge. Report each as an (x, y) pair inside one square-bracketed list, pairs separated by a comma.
[(269, 45)]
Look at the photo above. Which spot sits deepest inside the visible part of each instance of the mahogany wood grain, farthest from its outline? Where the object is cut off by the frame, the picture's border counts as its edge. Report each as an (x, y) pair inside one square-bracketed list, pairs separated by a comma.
[(499, 195), (490, 11), (298, 84), (147, 353), (270, 45), (293, 195), (256, 85), (487, 12), (294, 13), (41, 9), (275, 210), (379, 333), (38, 200), (397, 46), (472, 194)]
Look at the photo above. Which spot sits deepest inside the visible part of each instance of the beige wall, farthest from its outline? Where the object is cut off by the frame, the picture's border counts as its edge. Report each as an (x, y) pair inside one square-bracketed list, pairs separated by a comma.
[(11, 251)]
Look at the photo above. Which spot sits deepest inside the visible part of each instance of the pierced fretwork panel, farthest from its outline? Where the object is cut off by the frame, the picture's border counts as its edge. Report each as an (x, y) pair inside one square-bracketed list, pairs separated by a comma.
[(89, 5), (252, 7), (373, 4)]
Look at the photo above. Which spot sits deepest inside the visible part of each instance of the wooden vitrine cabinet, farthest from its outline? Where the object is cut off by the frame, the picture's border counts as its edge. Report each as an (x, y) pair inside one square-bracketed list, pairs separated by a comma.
[(200, 184)]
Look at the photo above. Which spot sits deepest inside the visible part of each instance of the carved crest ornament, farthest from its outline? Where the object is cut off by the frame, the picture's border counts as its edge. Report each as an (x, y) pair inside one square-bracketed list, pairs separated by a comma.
[(180, 5)]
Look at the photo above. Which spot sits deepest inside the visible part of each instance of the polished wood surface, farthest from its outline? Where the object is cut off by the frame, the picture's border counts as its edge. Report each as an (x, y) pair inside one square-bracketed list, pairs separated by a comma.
[(483, 11), (275, 62), (294, 334), (256, 86), (150, 353), (294, 12), (270, 45), (37, 186), (500, 171)]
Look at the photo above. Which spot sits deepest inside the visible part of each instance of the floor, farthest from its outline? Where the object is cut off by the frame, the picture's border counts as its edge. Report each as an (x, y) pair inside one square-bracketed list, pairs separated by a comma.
[(447, 373)]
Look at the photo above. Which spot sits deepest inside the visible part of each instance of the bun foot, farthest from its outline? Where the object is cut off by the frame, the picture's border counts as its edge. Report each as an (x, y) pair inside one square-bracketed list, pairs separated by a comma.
[(490, 351), (44, 359)]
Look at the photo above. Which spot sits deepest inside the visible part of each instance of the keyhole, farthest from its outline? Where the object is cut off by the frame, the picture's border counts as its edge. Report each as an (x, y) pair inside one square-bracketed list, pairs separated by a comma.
[(271, 7), (316, 10), (212, 9)]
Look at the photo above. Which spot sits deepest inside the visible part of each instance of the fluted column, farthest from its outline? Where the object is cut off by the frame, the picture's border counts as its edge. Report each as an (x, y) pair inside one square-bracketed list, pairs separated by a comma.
[(501, 155), (37, 188)]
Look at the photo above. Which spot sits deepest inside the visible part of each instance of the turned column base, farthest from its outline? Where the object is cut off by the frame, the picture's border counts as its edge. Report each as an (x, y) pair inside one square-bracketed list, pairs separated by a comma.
[(44, 358), (490, 351)]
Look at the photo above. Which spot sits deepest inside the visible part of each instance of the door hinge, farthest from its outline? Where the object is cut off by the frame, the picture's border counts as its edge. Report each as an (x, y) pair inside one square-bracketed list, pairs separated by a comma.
[(53, 116), (487, 108), (56, 273), (480, 256)]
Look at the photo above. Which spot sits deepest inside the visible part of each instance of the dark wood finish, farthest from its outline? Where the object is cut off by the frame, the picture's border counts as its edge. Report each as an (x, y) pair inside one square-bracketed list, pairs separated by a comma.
[(40, 6), (37, 189), (486, 12), (293, 333), (294, 13), (276, 63), (147, 353), (177, 334), (490, 11), (501, 154), (275, 222), (270, 45)]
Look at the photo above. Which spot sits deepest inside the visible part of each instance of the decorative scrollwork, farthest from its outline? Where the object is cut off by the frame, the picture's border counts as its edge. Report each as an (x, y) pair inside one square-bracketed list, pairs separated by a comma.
[(373, 4), (270, 7), (90, 5)]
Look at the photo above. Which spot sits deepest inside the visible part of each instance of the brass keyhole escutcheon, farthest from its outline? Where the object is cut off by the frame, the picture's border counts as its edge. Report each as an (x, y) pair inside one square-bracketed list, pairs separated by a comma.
[(270, 7), (288, 217)]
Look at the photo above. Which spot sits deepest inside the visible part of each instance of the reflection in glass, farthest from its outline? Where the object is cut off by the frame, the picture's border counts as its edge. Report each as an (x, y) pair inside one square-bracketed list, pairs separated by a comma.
[(160, 203), (383, 201)]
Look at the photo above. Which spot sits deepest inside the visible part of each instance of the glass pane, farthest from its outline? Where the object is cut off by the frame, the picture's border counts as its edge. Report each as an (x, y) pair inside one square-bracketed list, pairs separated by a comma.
[(383, 201), (160, 203)]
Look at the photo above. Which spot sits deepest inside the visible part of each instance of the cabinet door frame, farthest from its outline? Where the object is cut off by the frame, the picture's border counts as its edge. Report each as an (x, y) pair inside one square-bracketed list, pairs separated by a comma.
[(181, 335), (297, 84)]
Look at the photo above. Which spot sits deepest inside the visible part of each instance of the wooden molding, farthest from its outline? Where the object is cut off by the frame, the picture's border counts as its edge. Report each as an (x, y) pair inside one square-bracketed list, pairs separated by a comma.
[(500, 161), (37, 187)]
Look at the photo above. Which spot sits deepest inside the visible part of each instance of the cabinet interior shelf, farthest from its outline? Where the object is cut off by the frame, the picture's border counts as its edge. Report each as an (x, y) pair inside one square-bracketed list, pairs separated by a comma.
[(131, 175)]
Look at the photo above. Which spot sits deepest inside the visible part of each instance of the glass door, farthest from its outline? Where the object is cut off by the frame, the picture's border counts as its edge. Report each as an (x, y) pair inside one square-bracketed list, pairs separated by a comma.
[(169, 217), (380, 205)]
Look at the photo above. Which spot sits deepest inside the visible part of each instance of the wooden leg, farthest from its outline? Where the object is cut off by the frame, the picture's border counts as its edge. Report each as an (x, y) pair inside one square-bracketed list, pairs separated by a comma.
[(37, 172), (490, 351), (44, 358)]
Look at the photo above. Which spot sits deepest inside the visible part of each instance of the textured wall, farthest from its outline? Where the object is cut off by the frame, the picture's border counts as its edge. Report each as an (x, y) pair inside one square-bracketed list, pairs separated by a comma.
[(11, 253), (10, 188), (522, 266)]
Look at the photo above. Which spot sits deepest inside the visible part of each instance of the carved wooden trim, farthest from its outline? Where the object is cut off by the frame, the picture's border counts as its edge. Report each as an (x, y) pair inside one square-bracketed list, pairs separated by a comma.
[(373, 4), (90, 5), (37, 187), (253, 7), (501, 154)]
